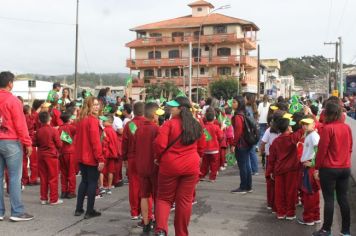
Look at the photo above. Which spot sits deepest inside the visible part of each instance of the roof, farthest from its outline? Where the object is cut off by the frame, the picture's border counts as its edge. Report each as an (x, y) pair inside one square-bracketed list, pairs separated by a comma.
[(201, 3), (271, 63), (193, 22)]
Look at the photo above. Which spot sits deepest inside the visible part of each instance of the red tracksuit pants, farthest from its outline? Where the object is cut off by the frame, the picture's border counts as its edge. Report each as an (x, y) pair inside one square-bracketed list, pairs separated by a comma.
[(212, 162), (286, 186), (48, 167), (270, 192), (118, 173), (311, 211), (33, 166), (134, 188), (222, 157), (68, 176), (178, 189)]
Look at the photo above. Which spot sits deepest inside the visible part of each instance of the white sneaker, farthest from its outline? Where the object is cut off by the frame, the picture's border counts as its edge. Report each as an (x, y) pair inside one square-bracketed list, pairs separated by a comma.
[(44, 202), (222, 168), (281, 217), (58, 202), (1, 218), (291, 217), (135, 218), (317, 222)]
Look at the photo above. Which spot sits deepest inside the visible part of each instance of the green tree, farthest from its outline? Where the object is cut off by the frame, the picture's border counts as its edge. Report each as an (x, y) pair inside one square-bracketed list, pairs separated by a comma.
[(167, 89), (226, 88)]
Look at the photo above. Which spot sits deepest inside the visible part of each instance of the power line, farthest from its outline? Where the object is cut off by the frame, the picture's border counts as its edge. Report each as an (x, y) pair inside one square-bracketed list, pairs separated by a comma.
[(342, 16), (34, 21), (329, 20)]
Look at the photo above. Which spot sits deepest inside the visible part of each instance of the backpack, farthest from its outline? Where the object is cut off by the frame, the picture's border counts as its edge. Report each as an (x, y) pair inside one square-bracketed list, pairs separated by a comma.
[(251, 134)]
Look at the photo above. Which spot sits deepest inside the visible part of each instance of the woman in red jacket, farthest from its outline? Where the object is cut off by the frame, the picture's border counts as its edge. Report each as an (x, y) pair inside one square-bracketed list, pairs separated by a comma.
[(89, 151), (333, 161), (177, 145)]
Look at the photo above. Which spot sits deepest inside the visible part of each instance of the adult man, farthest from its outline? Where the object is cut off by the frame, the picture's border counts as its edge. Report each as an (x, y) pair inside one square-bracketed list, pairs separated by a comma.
[(13, 134), (53, 94)]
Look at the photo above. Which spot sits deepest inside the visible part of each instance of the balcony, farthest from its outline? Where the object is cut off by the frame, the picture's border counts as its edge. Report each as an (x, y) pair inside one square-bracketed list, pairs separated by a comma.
[(249, 43), (178, 81), (136, 64)]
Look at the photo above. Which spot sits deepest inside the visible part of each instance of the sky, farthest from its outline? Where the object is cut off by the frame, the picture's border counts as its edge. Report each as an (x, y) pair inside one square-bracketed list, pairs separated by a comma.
[(38, 36)]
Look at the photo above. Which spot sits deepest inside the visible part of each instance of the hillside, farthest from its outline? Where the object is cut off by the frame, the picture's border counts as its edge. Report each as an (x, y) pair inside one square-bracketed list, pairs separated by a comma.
[(85, 79)]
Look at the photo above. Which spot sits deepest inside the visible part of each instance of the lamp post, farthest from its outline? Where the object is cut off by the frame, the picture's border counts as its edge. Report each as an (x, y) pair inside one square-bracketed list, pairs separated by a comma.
[(199, 38), (76, 54)]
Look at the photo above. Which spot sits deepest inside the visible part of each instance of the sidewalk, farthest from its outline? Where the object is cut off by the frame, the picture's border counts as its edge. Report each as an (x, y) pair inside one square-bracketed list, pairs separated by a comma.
[(218, 213)]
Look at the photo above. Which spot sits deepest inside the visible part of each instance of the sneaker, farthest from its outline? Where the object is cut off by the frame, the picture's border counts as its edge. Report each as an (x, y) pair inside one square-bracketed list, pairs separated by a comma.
[(79, 212), (64, 195), (321, 233), (250, 191), (140, 224), (102, 190), (222, 168), (44, 202), (173, 207), (317, 221), (291, 217), (98, 196), (347, 234), (135, 217), (194, 202), (58, 202), (269, 208), (23, 217), (119, 184), (108, 191), (212, 180), (148, 228), (281, 217), (89, 215), (1, 218), (71, 195), (22, 187), (160, 233), (225, 164), (256, 174), (238, 191), (273, 212), (302, 222)]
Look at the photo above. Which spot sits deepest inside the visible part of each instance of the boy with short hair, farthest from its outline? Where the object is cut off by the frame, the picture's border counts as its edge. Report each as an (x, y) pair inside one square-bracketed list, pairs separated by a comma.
[(145, 156), (283, 168), (48, 143), (213, 137), (67, 160)]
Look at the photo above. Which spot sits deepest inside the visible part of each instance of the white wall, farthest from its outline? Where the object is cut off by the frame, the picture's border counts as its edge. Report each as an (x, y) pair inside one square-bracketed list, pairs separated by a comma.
[(352, 123)]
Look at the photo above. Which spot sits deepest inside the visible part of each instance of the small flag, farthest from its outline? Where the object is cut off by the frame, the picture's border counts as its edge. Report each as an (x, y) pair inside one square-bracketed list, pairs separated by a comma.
[(207, 135), (73, 117), (128, 80), (103, 118), (87, 94), (181, 94), (107, 109), (227, 121), (221, 118), (132, 127), (66, 138), (162, 99), (230, 159), (229, 103)]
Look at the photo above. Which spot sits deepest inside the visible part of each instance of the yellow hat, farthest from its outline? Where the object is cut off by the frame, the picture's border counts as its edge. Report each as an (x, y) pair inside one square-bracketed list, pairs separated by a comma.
[(160, 112), (287, 116), (46, 105), (119, 113), (273, 108), (307, 121)]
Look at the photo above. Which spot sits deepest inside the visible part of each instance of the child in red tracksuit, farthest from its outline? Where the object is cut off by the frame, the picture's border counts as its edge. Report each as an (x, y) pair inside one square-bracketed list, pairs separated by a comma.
[(213, 136), (310, 186), (110, 151), (283, 167), (48, 143), (31, 131), (67, 160), (146, 168)]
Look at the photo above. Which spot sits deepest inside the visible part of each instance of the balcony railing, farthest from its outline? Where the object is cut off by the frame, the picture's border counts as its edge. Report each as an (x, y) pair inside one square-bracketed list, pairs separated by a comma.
[(206, 61), (182, 40), (178, 81)]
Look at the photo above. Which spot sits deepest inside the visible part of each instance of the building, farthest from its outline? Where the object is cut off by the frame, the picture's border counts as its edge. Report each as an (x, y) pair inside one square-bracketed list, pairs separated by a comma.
[(160, 52), (271, 80), (286, 86)]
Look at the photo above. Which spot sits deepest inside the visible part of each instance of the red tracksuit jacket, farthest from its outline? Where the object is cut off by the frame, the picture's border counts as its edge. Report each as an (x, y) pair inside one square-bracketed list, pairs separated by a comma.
[(283, 154), (56, 118), (179, 159), (216, 137), (335, 146), (128, 144), (70, 129), (110, 143), (145, 156), (48, 142), (30, 125), (87, 144), (238, 124)]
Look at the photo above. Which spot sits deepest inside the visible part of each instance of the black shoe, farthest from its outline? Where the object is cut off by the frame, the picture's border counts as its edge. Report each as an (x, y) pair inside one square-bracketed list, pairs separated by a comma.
[(92, 214), (119, 184), (64, 195), (71, 195), (148, 228), (160, 233), (238, 191), (23, 217), (321, 233), (78, 212)]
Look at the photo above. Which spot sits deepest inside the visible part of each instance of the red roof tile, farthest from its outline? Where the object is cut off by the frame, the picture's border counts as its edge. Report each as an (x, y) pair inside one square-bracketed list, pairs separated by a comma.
[(193, 22), (201, 3)]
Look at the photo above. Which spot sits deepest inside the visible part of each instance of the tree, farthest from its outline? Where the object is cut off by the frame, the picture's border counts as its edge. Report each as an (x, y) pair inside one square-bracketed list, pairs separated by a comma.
[(226, 88), (167, 89)]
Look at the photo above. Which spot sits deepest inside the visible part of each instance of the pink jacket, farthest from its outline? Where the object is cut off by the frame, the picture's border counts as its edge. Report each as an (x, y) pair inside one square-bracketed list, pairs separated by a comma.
[(13, 124)]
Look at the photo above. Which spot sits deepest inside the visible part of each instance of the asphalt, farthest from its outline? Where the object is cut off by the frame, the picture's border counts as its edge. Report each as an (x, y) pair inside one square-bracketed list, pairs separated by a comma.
[(217, 213)]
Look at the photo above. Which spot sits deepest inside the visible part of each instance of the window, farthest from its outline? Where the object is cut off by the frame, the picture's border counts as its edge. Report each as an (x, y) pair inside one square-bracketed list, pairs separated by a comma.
[(220, 29), (149, 73), (202, 71), (159, 73), (173, 54), (224, 52), (200, 9), (195, 52), (167, 73), (141, 35), (175, 72), (224, 71), (177, 34), (155, 35), (207, 48), (157, 56)]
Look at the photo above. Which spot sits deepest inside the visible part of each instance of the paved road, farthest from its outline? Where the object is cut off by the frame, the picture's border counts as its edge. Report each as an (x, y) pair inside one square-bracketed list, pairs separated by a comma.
[(218, 213)]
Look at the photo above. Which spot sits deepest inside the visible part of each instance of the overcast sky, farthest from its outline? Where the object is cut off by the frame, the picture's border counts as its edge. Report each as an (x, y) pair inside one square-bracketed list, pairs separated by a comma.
[(31, 41)]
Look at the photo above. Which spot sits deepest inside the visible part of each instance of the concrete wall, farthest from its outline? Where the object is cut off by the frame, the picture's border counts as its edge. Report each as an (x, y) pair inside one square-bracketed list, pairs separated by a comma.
[(352, 124)]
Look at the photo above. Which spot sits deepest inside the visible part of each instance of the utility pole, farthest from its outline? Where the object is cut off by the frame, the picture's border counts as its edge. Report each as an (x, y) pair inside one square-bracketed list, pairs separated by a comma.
[(76, 54), (336, 61), (258, 71), (329, 76), (190, 72), (341, 94)]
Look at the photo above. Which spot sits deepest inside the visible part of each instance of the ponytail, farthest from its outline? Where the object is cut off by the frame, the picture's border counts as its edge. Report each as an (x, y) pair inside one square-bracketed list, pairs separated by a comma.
[(192, 130)]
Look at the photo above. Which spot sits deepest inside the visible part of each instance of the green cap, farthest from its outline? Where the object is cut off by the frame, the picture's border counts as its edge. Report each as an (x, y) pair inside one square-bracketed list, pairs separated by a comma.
[(73, 117), (78, 104), (60, 101), (292, 123), (103, 118), (173, 103)]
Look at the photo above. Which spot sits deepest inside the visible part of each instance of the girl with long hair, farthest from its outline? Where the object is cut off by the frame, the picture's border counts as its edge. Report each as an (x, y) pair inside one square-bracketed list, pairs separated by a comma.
[(65, 99), (178, 145)]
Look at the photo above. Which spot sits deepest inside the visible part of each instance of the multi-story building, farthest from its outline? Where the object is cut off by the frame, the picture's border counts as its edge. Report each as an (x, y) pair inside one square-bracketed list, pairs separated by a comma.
[(160, 51), (271, 81)]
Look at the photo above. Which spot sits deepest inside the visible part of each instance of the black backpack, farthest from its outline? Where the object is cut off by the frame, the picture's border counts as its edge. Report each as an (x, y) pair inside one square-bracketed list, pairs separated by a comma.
[(251, 133)]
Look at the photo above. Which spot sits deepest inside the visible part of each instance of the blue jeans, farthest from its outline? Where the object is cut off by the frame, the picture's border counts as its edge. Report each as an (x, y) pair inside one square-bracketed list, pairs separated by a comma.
[(263, 128), (11, 153), (253, 160), (243, 162)]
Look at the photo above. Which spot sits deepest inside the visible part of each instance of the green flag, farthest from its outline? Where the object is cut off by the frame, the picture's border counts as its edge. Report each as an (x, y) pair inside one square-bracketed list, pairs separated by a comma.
[(220, 118), (229, 103), (207, 135), (128, 80), (227, 121), (132, 127), (107, 109), (181, 94), (52, 95), (87, 94), (162, 99), (66, 138), (230, 159)]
